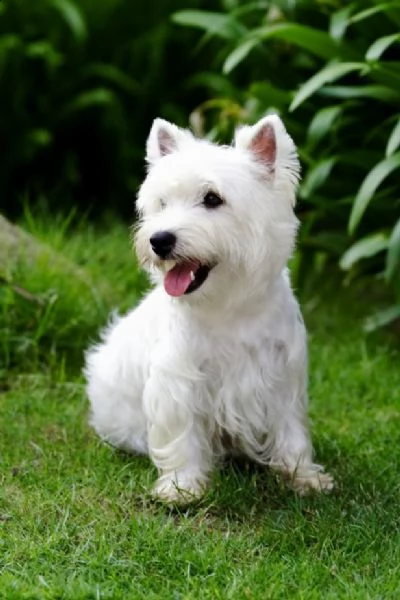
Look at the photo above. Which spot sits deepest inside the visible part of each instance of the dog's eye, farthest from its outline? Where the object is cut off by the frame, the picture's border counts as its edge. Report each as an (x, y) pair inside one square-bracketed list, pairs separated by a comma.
[(162, 204), (212, 200)]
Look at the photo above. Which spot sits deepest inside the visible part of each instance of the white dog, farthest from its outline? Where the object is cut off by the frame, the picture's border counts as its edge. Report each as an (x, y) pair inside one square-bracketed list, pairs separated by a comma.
[(214, 360)]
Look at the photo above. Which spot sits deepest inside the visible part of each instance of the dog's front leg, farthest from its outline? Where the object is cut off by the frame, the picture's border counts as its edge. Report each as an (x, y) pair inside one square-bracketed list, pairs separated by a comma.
[(292, 453), (178, 443)]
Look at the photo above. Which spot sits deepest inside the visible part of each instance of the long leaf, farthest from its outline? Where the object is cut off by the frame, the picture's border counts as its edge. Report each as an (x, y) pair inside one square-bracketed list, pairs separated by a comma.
[(239, 54), (322, 123), (393, 253), (328, 74), (339, 22), (386, 73), (369, 187), (382, 318), (376, 50), (372, 11), (89, 99), (364, 248), (317, 176), (269, 95), (308, 38), (44, 50), (378, 92), (394, 139), (111, 73), (72, 16), (214, 23)]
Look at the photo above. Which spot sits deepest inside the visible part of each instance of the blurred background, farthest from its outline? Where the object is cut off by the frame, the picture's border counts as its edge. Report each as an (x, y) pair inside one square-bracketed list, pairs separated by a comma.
[(82, 80)]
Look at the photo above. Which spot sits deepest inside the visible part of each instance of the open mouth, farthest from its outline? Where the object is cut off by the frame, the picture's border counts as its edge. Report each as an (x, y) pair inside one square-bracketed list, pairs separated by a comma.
[(185, 277)]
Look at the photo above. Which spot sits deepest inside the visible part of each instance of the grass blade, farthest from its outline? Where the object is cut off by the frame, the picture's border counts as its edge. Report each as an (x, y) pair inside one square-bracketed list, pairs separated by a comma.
[(364, 248), (269, 94), (112, 74), (328, 74), (382, 318), (394, 139), (317, 42), (380, 45), (369, 187), (317, 176), (72, 16), (393, 253), (377, 92), (239, 54), (340, 21), (374, 10), (213, 23), (322, 123)]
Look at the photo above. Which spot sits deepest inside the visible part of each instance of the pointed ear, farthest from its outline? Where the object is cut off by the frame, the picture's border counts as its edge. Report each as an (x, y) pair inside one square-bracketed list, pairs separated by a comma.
[(163, 139), (260, 140), (271, 146)]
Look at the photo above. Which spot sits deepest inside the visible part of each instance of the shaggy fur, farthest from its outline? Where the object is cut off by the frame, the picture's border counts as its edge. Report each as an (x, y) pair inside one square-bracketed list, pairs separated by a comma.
[(188, 376)]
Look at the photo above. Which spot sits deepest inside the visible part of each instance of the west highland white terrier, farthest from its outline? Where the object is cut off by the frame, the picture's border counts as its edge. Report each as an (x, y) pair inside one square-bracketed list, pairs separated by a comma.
[(214, 359)]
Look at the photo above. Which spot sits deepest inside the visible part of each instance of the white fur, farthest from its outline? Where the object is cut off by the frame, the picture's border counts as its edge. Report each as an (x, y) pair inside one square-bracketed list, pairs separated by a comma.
[(177, 377)]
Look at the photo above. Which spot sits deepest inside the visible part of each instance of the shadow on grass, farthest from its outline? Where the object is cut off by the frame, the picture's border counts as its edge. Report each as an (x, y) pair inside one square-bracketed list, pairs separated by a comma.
[(243, 492)]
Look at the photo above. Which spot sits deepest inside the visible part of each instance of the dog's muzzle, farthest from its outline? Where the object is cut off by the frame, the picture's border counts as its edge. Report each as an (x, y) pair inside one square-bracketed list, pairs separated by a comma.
[(186, 275), (163, 242)]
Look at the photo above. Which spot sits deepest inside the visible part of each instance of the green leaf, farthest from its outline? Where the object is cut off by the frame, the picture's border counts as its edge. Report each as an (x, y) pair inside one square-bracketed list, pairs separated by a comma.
[(90, 99), (40, 137), (364, 248), (322, 123), (269, 94), (113, 74), (9, 42), (317, 176), (214, 23), (332, 242), (382, 318), (72, 16), (378, 92), (386, 73), (340, 21), (372, 11), (42, 49), (394, 139), (393, 253), (308, 38), (215, 83), (238, 55), (369, 187), (376, 49), (328, 74)]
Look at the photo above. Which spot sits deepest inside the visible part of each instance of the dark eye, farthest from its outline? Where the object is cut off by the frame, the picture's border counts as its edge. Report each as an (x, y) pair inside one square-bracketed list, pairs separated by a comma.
[(162, 204), (212, 200)]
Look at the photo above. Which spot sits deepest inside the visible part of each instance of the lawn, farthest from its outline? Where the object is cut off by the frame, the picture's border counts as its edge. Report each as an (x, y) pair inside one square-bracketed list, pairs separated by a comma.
[(76, 517)]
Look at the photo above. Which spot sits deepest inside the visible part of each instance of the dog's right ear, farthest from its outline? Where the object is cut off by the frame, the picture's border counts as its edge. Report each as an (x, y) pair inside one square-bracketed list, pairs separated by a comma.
[(271, 146), (163, 139)]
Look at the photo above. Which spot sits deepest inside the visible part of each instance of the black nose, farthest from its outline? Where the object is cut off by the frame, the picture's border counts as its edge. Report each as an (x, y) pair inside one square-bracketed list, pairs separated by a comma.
[(162, 243)]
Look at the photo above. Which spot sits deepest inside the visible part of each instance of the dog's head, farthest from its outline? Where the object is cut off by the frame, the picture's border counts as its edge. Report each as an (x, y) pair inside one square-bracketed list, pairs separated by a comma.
[(215, 216)]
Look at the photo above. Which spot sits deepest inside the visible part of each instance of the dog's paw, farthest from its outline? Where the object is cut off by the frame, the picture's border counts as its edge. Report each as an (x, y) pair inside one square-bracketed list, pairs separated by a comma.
[(312, 481), (174, 490)]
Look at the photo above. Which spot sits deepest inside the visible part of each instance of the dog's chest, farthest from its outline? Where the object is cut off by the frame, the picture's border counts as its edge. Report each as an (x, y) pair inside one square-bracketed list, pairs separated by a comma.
[(243, 370)]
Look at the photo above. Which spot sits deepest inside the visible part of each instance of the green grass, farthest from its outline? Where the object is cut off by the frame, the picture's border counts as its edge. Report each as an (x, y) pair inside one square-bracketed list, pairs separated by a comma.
[(76, 517)]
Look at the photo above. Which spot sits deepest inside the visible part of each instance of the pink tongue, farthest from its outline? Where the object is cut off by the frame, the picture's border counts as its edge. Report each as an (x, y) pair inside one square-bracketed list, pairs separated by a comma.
[(178, 279)]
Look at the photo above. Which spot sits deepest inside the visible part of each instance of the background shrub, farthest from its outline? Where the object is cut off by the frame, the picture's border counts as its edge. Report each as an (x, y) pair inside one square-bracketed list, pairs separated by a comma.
[(331, 70), (81, 81)]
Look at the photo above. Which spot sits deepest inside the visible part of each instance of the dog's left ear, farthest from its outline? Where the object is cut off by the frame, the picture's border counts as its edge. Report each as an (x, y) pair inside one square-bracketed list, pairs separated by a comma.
[(164, 138), (270, 145)]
